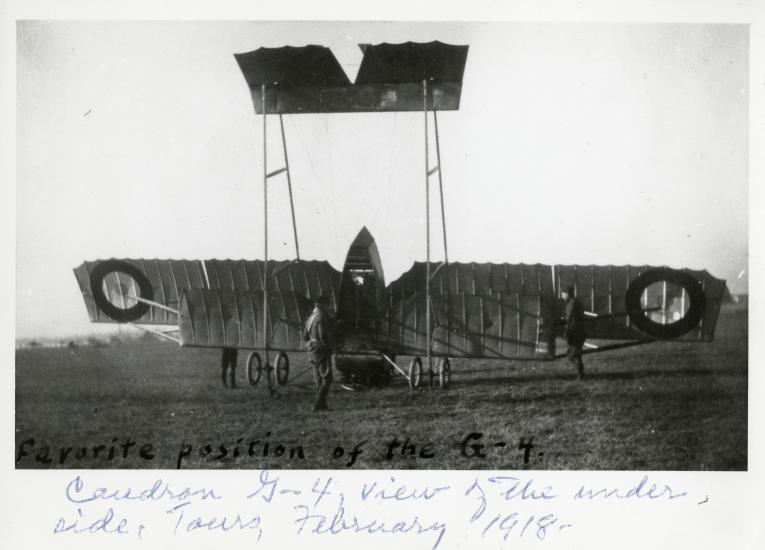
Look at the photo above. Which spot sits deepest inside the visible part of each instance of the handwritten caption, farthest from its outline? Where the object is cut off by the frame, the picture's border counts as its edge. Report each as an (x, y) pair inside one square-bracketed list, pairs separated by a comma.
[(265, 506)]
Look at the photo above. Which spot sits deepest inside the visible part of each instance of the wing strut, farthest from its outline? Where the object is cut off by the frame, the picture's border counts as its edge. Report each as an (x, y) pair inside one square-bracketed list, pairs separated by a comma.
[(289, 186), (429, 172), (266, 176), (265, 226), (427, 230), (440, 186)]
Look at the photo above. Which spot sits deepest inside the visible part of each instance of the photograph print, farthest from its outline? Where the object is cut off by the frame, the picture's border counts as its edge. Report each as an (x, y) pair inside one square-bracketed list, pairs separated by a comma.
[(381, 245)]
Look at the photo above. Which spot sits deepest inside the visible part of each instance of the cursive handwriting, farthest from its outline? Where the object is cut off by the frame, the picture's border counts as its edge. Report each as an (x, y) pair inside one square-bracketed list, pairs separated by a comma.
[(404, 508), (321, 524), (638, 491), (75, 492)]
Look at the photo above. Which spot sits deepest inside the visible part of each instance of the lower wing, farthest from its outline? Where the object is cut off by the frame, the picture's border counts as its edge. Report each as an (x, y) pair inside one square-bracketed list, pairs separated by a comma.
[(512, 311), (208, 303)]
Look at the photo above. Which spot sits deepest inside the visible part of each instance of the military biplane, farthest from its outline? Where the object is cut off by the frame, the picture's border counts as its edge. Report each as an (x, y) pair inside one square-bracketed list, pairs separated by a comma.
[(436, 311)]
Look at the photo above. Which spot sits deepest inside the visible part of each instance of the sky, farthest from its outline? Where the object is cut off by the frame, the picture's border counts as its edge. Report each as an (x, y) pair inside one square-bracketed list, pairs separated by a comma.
[(574, 143)]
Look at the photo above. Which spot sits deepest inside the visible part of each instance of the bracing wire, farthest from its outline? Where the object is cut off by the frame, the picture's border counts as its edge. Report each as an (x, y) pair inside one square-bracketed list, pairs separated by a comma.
[(383, 202), (329, 228), (403, 145), (333, 194)]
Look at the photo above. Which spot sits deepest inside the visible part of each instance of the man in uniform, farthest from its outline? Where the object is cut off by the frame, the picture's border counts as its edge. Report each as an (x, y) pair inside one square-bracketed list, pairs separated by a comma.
[(575, 331), (318, 337)]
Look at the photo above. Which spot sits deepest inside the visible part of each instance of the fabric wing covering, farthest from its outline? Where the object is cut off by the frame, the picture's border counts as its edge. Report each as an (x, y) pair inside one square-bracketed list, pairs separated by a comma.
[(230, 312), (110, 288), (510, 310), (117, 282), (478, 309), (309, 79), (230, 318)]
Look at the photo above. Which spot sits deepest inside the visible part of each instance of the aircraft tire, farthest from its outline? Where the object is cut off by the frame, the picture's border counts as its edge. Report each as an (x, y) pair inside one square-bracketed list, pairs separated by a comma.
[(254, 368), (444, 372), (102, 302), (282, 368), (690, 320), (415, 372)]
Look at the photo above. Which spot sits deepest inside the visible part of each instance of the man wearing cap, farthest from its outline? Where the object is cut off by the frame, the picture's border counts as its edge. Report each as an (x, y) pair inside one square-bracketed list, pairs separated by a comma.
[(318, 337), (575, 331)]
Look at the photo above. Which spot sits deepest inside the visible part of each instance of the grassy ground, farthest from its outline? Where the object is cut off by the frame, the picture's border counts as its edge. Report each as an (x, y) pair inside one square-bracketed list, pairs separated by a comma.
[(665, 406)]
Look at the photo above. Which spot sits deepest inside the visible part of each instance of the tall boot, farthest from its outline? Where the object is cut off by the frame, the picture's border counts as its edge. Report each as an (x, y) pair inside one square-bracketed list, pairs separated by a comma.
[(232, 360), (223, 364), (321, 397), (580, 369)]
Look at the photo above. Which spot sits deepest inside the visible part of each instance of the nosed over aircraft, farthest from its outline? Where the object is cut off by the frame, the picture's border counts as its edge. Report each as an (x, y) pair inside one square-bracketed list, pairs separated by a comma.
[(435, 311)]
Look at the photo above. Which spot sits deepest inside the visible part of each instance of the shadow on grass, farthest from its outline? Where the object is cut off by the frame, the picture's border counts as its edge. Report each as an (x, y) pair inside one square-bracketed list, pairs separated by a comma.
[(531, 399), (598, 376)]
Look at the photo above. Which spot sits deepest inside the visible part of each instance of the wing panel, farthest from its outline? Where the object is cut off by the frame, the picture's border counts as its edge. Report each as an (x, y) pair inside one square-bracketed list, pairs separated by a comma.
[(211, 268), (481, 278), (307, 278), (227, 318), (498, 281), (467, 325), (239, 276), (170, 290), (150, 268), (224, 277), (120, 280), (309, 79), (530, 280), (520, 324), (619, 279), (601, 280), (82, 274), (253, 275), (475, 278), (491, 342), (465, 281), (602, 290), (714, 289)]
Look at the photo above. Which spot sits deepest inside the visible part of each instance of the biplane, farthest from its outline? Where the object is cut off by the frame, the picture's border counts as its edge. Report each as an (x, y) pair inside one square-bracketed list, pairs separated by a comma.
[(434, 312)]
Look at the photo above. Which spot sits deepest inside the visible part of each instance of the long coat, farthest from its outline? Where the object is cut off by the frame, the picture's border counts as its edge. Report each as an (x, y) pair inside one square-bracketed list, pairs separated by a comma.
[(575, 331), (318, 336)]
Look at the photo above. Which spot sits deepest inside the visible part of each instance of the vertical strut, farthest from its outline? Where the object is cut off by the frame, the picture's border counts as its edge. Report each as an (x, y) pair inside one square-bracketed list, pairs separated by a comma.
[(289, 187), (440, 186), (265, 227), (427, 229)]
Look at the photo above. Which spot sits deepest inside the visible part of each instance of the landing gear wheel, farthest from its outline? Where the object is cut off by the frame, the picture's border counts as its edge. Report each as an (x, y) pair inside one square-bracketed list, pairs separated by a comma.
[(282, 368), (415, 372), (254, 368), (444, 369)]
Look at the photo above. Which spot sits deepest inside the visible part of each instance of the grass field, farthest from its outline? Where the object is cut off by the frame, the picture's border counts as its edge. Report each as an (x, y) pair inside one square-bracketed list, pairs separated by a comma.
[(665, 406)]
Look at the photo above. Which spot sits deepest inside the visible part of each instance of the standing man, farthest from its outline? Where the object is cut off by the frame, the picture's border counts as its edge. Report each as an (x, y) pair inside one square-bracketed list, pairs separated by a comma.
[(318, 337), (575, 331)]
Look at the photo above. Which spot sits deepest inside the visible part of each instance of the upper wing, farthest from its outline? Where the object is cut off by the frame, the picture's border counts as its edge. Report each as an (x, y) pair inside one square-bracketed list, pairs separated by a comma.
[(309, 79), (511, 310)]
